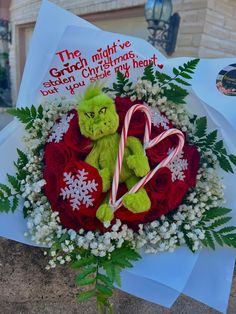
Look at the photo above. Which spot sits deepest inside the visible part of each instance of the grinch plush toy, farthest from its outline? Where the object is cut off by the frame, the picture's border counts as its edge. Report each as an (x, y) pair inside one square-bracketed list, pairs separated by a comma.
[(99, 122)]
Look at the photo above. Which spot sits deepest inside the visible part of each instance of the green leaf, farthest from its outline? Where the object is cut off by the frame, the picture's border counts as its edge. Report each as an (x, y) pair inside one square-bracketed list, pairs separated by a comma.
[(180, 81), (15, 203), (85, 273), (27, 115), (83, 296), (211, 138), (229, 239), (40, 112), (227, 229), (219, 222), (14, 182), (185, 75), (232, 158), (104, 290), (124, 263), (105, 280), (5, 205), (176, 94), (86, 281), (218, 239), (188, 241), (5, 188), (26, 212), (162, 77), (175, 71), (216, 212), (23, 159), (148, 74), (110, 270), (201, 126), (219, 145), (33, 112), (224, 163), (83, 262), (209, 240)]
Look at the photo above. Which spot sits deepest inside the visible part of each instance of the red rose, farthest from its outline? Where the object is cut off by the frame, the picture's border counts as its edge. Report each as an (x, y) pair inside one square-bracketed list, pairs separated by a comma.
[(160, 151), (176, 195), (51, 188), (137, 123), (192, 155), (57, 156), (160, 184), (74, 139)]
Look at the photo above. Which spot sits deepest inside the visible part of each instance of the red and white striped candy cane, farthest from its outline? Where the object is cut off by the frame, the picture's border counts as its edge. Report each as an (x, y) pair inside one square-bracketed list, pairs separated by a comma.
[(115, 204), (123, 138)]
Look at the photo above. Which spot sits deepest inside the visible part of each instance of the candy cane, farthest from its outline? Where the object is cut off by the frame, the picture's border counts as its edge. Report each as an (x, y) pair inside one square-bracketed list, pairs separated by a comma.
[(115, 204), (123, 138)]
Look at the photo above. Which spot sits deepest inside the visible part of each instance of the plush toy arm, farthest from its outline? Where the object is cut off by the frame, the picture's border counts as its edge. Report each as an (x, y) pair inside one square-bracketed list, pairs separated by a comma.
[(106, 179), (135, 146), (137, 161), (92, 158)]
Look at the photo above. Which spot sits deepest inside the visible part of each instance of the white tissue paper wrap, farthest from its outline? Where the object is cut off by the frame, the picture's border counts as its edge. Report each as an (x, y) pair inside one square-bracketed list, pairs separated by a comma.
[(205, 276)]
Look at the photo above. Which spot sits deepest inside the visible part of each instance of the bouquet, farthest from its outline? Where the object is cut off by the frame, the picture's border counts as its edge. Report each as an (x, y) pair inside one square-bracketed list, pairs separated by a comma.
[(117, 169), (123, 169)]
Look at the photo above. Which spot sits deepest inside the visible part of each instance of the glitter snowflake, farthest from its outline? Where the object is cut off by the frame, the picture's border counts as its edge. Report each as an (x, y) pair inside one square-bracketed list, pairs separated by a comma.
[(177, 166), (78, 189), (60, 128), (159, 120)]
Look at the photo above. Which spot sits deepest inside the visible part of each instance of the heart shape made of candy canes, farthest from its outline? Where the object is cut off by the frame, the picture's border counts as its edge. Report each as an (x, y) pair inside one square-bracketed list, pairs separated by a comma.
[(113, 202)]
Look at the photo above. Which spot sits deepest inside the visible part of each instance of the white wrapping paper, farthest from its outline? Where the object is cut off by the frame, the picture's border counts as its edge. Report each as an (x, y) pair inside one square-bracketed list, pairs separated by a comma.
[(205, 276)]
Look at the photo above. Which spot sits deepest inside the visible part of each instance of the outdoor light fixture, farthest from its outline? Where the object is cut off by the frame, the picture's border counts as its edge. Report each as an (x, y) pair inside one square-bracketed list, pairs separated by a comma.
[(5, 33), (162, 25)]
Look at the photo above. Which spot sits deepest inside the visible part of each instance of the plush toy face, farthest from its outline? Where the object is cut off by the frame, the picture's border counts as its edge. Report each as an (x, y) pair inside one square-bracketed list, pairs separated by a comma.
[(98, 117)]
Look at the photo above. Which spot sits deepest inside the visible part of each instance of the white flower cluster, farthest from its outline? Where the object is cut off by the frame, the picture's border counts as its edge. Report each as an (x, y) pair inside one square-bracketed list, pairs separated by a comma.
[(153, 94), (99, 244), (166, 235)]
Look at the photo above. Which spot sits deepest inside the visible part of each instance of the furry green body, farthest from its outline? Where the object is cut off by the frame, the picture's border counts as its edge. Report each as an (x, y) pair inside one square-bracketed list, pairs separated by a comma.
[(99, 121), (104, 155)]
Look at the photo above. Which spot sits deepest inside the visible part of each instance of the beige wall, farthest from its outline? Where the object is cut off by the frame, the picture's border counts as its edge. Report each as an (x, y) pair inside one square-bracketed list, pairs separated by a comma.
[(207, 29)]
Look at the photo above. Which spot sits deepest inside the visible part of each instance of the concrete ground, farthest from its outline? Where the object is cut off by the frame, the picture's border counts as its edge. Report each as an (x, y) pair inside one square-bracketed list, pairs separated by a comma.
[(27, 288)]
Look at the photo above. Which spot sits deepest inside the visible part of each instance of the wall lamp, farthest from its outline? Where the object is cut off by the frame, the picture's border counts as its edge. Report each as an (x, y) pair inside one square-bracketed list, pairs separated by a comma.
[(5, 33), (162, 25)]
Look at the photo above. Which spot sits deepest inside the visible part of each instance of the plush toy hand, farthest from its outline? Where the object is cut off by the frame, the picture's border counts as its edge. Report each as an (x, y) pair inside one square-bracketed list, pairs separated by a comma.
[(139, 164), (104, 213), (106, 179)]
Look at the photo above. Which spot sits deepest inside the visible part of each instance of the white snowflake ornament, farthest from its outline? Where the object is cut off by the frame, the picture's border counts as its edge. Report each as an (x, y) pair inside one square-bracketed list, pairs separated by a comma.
[(60, 129), (159, 120), (78, 189), (177, 166)]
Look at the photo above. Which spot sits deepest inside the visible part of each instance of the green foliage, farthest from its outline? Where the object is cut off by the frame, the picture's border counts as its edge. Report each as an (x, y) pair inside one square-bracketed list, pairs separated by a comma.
[(121, 87), (101, 273), (27, 115), (212, 223), (9, 194), (201, 127), (173, 92), (176, 93), (8, 199), (149, 74), (209, 141)]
